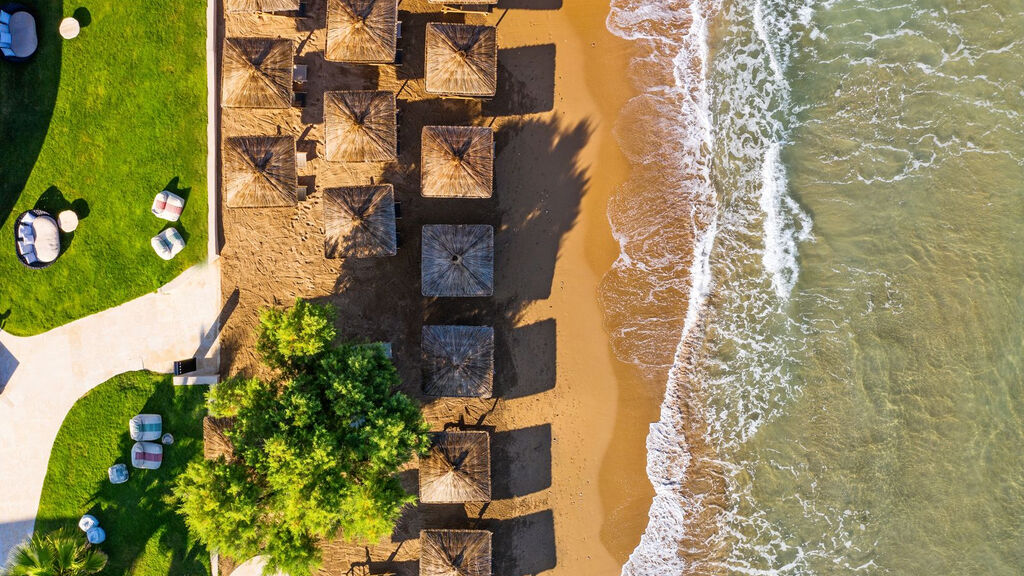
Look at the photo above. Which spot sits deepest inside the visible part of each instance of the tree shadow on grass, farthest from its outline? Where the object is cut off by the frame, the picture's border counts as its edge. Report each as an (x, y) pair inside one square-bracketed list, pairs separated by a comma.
[(26, 105), (136, 514)]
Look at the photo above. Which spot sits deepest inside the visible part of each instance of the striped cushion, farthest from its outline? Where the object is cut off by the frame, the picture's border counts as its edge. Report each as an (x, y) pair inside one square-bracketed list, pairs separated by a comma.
[(147, 457)]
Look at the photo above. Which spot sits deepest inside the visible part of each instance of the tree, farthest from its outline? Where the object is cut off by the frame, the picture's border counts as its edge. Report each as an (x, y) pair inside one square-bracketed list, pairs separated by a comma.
[(316, 449), (60, 553)]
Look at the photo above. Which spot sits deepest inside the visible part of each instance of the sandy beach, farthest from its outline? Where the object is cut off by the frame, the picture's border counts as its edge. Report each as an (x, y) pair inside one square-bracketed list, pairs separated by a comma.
[(568, 421)]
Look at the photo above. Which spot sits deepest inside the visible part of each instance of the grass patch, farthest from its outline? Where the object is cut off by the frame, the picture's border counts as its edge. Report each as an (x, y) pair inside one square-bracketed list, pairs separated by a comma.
[(145, 537), (101, 123)]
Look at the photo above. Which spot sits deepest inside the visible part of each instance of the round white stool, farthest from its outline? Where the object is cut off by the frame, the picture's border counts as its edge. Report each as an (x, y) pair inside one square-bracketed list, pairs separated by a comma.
[(69, 28), (67, 220)]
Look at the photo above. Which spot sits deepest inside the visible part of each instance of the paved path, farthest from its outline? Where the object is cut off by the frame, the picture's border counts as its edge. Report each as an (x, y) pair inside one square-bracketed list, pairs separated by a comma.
[(45, 374)]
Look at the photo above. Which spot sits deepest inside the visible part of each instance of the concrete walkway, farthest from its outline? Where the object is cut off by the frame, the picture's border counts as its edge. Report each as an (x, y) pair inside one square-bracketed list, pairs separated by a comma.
[(42, 376)]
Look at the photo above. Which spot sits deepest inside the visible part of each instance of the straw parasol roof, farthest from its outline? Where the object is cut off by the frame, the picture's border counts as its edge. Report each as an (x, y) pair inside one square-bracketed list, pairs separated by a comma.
[(215, 439), (362, 30), (457, 469), (257, 73), (465, 2), (259, 171), (455, 553), (457, 162), (458, 260), (360, 222), (361, 126), (462, 59), (260, 5), (458, 360)]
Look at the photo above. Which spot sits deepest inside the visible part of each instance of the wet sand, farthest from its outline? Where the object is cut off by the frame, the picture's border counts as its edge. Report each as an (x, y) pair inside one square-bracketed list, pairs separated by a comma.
[(568, 421)]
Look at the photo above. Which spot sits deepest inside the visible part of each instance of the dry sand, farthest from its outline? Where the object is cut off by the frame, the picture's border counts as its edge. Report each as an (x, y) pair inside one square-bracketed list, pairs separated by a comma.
[(568, 420)]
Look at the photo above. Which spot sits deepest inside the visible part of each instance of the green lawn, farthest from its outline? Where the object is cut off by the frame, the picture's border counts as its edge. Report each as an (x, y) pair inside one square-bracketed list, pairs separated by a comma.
[(145, 537), (101, 124)]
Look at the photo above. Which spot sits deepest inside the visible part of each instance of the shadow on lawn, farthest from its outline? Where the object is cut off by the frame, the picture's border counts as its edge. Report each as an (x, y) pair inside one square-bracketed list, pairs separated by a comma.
[(26, 105), (137, 514), (54, 202)]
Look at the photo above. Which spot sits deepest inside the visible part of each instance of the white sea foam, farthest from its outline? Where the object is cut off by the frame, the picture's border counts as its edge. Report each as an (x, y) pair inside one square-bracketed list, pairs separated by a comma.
[(785, 223), (677, 147), (670, 126)]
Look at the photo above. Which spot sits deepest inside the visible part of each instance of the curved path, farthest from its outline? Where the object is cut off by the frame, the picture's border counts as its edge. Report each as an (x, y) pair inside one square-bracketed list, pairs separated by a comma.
[(42, 376)]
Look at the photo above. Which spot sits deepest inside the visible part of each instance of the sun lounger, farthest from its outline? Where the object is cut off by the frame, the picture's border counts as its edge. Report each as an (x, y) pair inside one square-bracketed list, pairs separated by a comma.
[(168, 243), (168, 206), (147, 455), (36, 239), (300, 73), (143, 427)]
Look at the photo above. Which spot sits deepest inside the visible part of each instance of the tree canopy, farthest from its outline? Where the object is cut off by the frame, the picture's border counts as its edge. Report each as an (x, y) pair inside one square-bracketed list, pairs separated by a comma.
[(316, 448)]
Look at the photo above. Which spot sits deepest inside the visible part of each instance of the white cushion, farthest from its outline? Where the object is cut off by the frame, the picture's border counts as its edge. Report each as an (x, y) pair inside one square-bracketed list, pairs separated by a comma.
[(177, 243), (175, 200), (47, 242), (173, 207), (174, 237), (161, 247), (87, 522), (159, 202)]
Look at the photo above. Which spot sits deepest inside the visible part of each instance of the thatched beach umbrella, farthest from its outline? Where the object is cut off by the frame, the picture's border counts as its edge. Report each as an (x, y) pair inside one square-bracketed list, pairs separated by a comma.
[(455, 553), (361, 126), (261, 5), (257, 73), (259, 171), (360, 222), (362, 31), (458, 361), (215, 439), (457, 469), (457, 162), (461, 60), (457, 260)]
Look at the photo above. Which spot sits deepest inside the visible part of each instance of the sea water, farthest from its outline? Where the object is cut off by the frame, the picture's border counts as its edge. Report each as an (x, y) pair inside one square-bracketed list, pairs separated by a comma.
[(823, 262)]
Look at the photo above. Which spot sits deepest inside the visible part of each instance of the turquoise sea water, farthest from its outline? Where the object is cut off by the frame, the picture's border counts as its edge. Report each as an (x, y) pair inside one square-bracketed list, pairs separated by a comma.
[(850, 355)]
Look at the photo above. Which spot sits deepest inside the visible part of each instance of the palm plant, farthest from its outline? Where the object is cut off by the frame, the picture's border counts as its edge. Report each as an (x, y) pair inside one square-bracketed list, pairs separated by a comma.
[(60, 553)]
